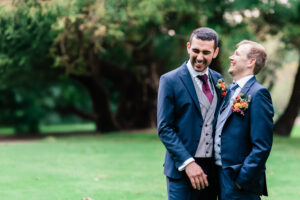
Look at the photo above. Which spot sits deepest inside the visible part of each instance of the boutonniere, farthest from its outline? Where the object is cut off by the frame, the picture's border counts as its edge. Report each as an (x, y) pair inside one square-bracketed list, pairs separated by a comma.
[(222, 86), (240, 104)]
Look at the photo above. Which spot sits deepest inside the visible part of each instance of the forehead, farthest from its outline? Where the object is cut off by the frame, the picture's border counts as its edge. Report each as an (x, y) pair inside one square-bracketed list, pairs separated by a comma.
[(202, 44), (244, 49)]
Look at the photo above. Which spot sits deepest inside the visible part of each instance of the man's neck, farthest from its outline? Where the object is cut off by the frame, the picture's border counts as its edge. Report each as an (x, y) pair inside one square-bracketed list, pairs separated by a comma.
[(203, 72), (240, 76)]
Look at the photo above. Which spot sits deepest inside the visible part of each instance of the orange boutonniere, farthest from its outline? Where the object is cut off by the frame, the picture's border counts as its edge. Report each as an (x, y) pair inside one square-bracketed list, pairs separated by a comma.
[(240, 104), (222, 86)]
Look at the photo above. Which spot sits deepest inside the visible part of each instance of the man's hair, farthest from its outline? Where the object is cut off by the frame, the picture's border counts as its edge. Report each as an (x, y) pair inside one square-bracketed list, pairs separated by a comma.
[(258, 52), (205, 33)]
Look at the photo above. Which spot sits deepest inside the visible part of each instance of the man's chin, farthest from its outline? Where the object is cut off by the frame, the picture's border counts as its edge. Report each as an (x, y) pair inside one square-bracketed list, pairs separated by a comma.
[(200, 69)]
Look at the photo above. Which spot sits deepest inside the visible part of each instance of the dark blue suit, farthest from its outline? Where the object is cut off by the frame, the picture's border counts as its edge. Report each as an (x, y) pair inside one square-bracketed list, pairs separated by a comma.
[(246, 142), (179, 118)]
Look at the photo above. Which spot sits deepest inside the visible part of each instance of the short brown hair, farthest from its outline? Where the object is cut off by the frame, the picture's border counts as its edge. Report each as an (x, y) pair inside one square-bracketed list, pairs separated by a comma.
[(258, 52), (205, 33)]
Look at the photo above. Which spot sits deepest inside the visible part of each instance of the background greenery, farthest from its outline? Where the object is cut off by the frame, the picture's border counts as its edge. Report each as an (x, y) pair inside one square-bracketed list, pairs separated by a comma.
[(116, 166), (100, 61)]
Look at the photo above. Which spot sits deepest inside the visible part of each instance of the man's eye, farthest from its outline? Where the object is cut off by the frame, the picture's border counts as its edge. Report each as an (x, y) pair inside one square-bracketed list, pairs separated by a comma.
[(206, 52)]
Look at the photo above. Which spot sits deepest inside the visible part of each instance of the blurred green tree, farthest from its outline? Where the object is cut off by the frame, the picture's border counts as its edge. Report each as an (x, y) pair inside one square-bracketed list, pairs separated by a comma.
[(116, 50), (25, 39), (27, 77), (282, 18), (120, 48)]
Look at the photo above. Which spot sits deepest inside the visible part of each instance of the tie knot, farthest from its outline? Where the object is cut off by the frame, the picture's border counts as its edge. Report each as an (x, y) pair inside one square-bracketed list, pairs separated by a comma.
[(203, 78), (234, 86)]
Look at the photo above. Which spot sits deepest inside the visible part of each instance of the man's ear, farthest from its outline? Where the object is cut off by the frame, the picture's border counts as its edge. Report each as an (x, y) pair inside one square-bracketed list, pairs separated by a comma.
[(188, 47), (216, 52), (252, 62)]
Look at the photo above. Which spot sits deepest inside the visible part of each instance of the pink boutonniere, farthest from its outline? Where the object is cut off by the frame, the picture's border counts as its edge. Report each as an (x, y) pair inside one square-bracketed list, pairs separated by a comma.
[(240, 104), (222, 86)]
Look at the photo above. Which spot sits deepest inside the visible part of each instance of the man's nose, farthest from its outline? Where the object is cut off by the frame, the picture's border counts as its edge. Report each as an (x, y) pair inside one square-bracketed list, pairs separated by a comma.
[(231, 57), (200, 56)]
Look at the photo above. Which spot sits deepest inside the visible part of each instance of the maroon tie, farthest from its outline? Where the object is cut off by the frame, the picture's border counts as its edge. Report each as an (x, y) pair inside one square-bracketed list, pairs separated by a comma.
[(205, 87)]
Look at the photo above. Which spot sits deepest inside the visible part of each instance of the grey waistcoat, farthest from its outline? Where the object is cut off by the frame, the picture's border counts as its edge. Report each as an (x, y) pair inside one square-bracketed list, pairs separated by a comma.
[(205, 146)]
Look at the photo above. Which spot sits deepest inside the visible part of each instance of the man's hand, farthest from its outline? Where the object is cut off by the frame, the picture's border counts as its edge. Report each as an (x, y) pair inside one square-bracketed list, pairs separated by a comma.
[(196, 175)]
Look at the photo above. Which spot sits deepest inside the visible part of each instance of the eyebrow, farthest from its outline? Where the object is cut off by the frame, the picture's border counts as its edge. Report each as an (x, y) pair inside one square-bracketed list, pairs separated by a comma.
[(205, 50)]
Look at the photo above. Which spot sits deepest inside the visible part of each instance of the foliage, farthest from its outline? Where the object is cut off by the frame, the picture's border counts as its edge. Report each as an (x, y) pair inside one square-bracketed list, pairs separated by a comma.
[(25, 37), (30, 87), (283, 19), (113, 52), (129, 44)]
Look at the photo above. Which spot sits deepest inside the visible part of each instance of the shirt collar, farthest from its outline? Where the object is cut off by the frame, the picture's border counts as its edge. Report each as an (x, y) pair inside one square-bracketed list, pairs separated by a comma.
[(195, 73), (244, 80)]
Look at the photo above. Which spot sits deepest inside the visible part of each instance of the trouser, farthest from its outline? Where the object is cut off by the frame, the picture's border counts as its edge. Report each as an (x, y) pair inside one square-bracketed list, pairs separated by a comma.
[(228, 189), (181, 189)]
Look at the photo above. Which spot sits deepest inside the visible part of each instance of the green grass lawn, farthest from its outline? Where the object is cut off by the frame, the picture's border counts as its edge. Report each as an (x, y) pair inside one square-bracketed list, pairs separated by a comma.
[(115, 166), (283, 174), (56, 128), (296, 131)]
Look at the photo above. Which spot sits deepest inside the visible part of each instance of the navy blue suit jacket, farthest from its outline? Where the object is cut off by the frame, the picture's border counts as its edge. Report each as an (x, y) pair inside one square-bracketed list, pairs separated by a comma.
[(179, 117), (246, 141)]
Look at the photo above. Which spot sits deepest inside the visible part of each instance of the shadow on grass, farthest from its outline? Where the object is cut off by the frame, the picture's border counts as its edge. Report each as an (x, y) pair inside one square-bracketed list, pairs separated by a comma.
[(144, 134)]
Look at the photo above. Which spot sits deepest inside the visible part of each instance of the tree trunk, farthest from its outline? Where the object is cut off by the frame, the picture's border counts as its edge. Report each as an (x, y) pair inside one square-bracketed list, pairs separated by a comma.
[(137, 102), (101, 107), (138, 92), (285, 123)]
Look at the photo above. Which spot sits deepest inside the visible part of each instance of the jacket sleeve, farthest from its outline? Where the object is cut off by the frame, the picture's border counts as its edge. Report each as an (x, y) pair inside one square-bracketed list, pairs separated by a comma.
[(166, 106), (261, 137)]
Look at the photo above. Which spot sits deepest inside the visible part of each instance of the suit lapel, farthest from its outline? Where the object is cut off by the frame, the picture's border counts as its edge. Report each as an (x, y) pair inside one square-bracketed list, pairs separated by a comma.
[(244, 91), (215, 81), (186, 78), (218, 92), (248, 85)]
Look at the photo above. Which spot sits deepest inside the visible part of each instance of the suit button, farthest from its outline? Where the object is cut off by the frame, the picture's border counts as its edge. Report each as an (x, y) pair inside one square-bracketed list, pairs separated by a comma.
[(197, 140), (201, 126)]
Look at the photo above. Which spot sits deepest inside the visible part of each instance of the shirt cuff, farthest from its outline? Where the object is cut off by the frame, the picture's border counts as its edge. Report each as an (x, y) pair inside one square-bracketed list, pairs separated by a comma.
[(188, 161)]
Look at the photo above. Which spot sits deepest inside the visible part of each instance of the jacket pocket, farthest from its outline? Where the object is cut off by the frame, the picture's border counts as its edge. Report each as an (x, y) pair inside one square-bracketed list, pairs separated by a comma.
[(235, 169)]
